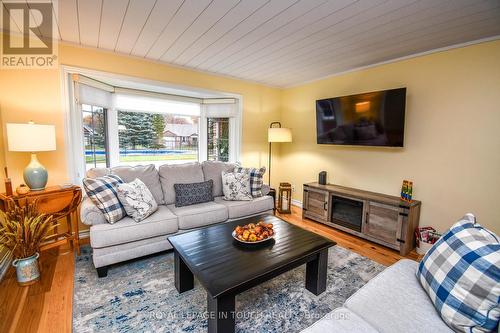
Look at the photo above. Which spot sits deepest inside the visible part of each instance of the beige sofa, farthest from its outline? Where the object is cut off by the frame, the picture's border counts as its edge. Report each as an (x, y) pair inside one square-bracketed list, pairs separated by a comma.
[(127, 239), (392, 302)]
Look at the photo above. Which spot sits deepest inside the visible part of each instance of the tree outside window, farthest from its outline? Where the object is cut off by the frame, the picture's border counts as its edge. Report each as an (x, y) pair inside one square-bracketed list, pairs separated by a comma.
[(157, 138)]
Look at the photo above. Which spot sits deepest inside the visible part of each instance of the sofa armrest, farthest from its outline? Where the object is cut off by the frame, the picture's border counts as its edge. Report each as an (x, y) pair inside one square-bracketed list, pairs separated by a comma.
[(265, 189), (90, 214)]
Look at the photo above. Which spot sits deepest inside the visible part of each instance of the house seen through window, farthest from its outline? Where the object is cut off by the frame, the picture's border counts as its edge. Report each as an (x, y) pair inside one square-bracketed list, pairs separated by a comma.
[(156, 138)]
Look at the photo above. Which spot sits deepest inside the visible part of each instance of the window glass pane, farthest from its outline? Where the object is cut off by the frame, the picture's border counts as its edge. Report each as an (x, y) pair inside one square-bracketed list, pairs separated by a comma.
[(94, 136), (218, 139), (156, 138)]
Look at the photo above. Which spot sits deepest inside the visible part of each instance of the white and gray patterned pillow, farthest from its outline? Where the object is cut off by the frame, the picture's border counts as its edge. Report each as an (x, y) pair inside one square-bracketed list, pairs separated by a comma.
[(256, 179), (137, 199), (236, 186), (193, 193), (102, 192)]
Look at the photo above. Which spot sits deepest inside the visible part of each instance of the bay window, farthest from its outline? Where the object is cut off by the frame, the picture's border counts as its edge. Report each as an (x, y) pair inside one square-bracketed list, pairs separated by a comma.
[(118, 126)]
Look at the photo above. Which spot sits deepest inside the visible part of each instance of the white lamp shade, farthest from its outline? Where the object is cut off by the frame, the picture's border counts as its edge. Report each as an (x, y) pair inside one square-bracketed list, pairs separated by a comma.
[(279, 134), (31, 137)]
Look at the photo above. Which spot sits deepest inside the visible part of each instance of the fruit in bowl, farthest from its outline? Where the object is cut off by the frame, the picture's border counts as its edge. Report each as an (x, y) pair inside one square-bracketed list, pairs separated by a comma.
[(252, 232)]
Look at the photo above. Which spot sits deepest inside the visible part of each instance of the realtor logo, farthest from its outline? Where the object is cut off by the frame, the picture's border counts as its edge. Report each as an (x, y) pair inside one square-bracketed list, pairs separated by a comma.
[(33, 47)]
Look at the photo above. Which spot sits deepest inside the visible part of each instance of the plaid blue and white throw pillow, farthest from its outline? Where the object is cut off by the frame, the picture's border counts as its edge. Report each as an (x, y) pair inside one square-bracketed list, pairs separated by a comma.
[(256, 179), (461, 275), (102, 192)]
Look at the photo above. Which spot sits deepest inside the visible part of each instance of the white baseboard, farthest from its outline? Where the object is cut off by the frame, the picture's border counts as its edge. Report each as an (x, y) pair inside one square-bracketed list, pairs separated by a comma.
[(297, 203)]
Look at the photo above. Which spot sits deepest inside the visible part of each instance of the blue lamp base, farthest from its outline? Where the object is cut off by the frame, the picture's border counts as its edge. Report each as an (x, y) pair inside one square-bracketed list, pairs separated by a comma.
[(35, 175)]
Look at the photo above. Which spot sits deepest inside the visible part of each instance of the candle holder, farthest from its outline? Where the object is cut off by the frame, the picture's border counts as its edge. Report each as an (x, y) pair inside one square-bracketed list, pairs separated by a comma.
[(285, 198)]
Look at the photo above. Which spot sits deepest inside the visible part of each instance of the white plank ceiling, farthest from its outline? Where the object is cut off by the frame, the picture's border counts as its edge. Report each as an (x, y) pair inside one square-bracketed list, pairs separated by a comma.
[(274, 42)]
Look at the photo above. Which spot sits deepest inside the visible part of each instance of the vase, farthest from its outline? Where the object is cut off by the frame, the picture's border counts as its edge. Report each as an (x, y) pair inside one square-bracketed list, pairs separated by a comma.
[(27, 270), (35, 175)]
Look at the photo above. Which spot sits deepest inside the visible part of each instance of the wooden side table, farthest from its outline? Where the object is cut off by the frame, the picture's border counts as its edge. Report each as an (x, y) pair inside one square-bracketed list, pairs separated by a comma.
[(58, 201)]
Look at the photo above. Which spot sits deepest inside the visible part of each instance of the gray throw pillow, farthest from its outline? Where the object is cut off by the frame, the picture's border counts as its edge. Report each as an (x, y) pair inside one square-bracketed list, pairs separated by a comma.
[(236, 186), (193, 193), (137, 199)]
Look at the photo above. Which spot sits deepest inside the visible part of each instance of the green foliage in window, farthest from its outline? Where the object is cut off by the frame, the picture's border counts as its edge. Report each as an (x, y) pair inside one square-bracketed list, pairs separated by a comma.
[(137, 130), (159, 128)]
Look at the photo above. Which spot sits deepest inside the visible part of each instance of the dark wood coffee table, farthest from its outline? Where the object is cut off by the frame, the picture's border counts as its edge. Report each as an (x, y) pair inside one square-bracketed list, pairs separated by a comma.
[(226, 268)]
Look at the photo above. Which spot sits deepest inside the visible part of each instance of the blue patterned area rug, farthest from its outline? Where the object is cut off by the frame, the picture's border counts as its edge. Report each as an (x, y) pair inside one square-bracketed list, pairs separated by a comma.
[(140, 296)]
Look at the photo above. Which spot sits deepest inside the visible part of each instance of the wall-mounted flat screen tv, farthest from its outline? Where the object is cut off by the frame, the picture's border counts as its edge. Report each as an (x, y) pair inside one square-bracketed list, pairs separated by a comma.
[(369, 119)]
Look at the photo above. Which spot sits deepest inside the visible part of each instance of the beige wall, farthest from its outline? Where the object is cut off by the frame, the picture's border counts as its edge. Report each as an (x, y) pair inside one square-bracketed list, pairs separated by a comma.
[(452, 149), (452, 141)]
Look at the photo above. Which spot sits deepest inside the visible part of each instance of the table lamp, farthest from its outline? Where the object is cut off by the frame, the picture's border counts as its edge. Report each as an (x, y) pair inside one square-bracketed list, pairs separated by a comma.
[(276, 133), (32, 138)]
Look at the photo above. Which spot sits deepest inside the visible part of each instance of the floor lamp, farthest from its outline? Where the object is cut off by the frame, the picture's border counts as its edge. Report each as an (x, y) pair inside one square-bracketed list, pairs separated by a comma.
[(276, 133)]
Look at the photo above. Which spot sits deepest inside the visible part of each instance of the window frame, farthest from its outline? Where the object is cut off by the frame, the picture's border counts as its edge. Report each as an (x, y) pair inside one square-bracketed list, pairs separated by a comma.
[(229, 119), (74, 143), (106, 132)]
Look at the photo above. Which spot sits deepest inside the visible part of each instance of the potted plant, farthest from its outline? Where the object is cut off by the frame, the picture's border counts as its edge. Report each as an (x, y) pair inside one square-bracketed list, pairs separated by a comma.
[(22, 231)]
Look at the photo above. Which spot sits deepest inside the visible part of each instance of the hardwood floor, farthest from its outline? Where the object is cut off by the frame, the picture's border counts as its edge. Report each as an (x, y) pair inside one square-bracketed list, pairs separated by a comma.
[(47, 305), (42, 307)]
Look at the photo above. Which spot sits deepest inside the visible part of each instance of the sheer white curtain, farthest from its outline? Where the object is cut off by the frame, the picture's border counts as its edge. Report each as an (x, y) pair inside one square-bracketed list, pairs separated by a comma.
[(145, 103)]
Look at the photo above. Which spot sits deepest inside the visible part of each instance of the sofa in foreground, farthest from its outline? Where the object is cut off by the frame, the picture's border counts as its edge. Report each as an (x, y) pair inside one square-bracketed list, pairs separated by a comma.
[(127, 239), (393, 301), (455, 288)]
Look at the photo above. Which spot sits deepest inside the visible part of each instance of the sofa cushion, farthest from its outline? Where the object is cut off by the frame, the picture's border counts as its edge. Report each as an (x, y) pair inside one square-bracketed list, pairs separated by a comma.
[(161, 222), (199, 215), (213, 170), (90, 214), (236, 186), (256, 179), (97, 172), (137, 199), (102, 192), (461, 274), (193, 193), (394, 302), (171, 174), (237, 209), (146, 173), (340, 320)]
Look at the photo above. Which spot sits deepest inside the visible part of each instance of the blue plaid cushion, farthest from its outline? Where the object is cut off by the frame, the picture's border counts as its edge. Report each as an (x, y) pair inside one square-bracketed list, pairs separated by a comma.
[(102, 192), (256, 179), (461, 275)]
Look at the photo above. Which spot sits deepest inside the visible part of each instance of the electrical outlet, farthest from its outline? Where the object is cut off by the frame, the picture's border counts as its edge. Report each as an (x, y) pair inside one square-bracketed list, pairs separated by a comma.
[(293, 188)]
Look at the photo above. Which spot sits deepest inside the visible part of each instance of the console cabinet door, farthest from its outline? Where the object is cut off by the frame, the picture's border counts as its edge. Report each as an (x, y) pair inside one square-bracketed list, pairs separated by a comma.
[(383, 222), (316, 204)]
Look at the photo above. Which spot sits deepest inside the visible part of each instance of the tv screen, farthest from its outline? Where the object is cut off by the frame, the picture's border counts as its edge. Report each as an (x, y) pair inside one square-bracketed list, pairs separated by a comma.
[(369, 119)]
